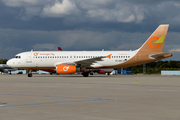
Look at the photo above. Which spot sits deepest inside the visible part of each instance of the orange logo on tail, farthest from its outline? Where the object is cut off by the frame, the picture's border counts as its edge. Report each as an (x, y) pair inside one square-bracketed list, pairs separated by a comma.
[(159, 41)]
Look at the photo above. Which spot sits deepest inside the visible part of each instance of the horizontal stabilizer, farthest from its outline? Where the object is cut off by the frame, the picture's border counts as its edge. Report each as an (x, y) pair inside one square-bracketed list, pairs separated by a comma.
[(153, 56)]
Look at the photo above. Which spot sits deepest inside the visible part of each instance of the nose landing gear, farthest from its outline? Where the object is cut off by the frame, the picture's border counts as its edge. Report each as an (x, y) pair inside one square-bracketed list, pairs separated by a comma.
[(30, 73)]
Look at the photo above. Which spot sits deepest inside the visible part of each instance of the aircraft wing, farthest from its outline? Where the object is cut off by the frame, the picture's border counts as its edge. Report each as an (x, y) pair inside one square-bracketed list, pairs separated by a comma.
[(88, 62), (158, 55), (83, 63)]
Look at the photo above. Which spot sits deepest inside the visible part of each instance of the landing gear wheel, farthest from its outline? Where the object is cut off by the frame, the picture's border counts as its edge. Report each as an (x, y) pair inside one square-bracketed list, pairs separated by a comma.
[(85, 74), (30, 75)]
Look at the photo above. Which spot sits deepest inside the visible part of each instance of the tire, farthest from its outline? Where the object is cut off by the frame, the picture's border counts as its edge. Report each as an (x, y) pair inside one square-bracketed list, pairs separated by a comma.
[(30, 75), (85, 74)]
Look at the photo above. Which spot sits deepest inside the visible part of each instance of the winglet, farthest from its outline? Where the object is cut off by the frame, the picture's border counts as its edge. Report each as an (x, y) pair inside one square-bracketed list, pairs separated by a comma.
[(109, 56)]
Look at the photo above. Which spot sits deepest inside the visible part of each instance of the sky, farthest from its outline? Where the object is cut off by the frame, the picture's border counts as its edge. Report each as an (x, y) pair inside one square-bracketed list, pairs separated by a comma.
[(76, 25)]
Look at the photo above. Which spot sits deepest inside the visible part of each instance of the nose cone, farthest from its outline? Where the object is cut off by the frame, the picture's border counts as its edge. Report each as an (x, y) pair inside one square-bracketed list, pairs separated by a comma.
[(10, 63)]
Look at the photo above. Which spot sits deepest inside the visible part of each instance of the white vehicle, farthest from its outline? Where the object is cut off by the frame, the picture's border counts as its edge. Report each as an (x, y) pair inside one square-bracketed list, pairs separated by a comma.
[(69, 62)]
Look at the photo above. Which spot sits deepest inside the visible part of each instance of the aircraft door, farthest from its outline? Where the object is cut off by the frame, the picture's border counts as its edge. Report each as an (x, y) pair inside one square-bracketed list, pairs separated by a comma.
[(29, 57), (137, 57)]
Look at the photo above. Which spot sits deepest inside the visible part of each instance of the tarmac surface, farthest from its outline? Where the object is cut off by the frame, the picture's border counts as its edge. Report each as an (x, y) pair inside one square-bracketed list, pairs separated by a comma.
[(98, 97)]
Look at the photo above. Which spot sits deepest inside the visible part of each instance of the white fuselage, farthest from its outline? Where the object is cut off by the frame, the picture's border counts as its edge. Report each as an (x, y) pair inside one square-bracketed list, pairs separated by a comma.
[(49, 59)]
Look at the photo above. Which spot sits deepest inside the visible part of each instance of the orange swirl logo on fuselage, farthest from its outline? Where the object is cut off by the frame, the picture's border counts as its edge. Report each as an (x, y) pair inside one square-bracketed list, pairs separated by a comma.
[(158, 42), (36, 54)]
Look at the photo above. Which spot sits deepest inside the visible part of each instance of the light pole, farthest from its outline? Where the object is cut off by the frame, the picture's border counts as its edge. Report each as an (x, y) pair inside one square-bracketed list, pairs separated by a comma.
[(2, 56)]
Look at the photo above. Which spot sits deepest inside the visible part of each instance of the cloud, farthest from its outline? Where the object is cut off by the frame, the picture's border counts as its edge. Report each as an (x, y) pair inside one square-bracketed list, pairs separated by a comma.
[(74, 40), (102, 10), (120, 13), (10, 52), (45, 47), (174, 50), (97, 11), (29, 12), (19, 3), (126, 47), (60, 9)]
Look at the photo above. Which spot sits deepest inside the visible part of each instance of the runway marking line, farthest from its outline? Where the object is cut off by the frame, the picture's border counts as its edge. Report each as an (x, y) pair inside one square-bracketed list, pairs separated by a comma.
[(88, 100)]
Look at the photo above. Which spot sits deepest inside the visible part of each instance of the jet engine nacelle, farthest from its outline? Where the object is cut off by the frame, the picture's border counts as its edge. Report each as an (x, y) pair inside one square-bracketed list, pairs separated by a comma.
[(66, 69)]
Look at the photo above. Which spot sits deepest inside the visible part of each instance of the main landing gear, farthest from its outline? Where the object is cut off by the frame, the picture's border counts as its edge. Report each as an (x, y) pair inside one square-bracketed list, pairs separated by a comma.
[(85, 74)]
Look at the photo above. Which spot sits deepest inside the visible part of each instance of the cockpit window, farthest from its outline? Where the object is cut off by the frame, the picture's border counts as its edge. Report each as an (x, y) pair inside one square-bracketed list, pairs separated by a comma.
[(18, 57)]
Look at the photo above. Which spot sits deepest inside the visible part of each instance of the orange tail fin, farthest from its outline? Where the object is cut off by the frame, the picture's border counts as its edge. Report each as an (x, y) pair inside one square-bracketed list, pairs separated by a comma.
[(156, 41)]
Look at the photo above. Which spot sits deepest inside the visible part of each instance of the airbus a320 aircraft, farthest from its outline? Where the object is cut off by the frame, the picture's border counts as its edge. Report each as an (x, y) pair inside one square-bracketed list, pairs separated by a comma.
[(69, 62)]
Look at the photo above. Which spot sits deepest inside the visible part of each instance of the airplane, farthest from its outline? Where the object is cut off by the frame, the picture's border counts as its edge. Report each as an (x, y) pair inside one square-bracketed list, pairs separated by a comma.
[(70, 62), (5, 68)]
